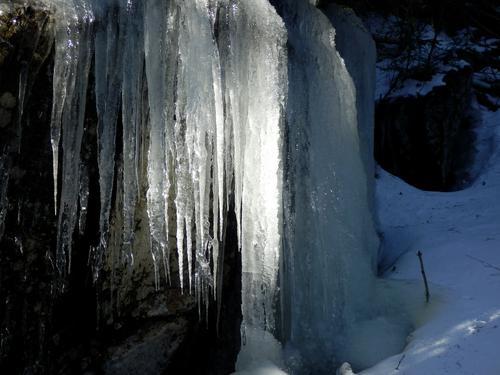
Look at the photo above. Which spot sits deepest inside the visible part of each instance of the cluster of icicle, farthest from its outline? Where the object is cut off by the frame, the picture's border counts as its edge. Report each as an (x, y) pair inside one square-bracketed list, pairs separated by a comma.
[(200, 85), (231, 101)]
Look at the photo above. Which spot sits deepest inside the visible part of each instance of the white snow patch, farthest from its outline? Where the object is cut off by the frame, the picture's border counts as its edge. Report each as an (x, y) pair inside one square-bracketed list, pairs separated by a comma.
[(414, 87), (261, 354)]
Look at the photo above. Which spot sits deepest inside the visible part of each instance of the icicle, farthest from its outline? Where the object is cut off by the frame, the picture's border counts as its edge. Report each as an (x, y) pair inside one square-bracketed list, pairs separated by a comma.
[(160, 51), (72, 65), (200, 141), (184, 194), (132, 112), (218, 168), (189, 246), (109, 50), (215, 91), (23, 85), (259, 68), (64, 62), (255, 85), (235, 81)]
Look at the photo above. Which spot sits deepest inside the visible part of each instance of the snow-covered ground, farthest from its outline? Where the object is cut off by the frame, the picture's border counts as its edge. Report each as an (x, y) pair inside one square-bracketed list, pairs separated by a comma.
[(459, 236)]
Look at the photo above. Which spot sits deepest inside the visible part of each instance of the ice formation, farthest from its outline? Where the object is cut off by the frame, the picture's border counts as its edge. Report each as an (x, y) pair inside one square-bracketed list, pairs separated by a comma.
[(71, 69), (327, 273), (209, 111), (223, 100)]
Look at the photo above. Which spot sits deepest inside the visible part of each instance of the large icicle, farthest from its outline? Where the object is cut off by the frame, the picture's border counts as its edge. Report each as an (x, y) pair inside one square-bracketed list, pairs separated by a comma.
[(66, 35), (219, 211), (197, 121), (160, 22), (109, 49), (133, 117), (72, 65), (184, 83), (256, 88)]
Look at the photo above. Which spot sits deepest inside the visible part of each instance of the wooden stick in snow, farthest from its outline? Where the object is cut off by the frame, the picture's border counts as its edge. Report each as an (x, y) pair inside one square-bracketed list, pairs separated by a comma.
[(427, 295)]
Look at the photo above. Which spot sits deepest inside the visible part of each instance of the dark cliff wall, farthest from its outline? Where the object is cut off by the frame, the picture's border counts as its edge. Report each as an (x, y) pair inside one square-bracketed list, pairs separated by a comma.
[(29, 232)]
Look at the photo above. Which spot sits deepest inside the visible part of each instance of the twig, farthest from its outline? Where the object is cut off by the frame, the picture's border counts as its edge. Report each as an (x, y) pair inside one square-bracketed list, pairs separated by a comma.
[(427, 295), (400, 360)]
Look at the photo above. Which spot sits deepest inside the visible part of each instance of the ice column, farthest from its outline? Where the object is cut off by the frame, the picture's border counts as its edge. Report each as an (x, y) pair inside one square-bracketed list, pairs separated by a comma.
[(327, 275), (255, 92), (357, 48)]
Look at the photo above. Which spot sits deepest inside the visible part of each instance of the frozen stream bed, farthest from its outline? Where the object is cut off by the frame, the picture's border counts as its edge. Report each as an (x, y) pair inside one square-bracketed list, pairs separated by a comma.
[(459, 235)]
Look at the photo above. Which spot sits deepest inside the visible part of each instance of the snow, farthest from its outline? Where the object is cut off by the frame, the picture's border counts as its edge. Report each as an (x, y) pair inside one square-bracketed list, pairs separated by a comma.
[(262, 354), (459, 235), (409, 87)]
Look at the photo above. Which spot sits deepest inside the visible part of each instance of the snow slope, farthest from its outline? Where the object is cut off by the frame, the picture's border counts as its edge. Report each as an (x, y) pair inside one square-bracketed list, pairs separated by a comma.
[(459, 235)]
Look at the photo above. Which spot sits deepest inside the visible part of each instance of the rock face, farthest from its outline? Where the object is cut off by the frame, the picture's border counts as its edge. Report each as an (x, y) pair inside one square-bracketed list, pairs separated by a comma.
[(28, 229), (120, 325), (426, 140)]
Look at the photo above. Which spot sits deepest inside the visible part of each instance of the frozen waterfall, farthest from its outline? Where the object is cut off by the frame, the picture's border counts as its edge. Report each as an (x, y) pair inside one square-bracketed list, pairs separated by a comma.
[(222, 100), (200, 86), (330, 242)]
